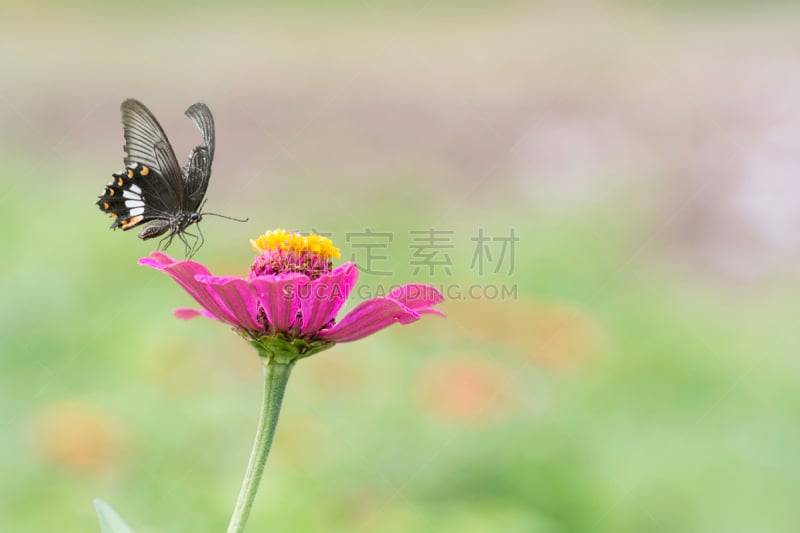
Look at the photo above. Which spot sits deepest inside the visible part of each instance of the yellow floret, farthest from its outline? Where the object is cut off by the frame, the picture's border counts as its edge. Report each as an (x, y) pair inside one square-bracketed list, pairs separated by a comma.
[(282, 240)]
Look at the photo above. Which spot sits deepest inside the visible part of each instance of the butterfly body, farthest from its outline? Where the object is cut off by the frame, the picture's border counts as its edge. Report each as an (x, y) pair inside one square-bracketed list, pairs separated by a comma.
[(153, 187)]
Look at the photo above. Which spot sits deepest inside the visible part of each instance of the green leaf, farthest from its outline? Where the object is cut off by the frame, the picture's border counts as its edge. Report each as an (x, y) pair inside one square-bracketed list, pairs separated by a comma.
[(110, 521)]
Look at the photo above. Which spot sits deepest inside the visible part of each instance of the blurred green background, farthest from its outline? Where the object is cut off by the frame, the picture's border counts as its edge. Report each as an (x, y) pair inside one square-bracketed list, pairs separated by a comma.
[(643, 375)]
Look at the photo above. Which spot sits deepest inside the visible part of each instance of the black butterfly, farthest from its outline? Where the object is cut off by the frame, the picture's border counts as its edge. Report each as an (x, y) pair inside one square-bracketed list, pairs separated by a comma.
[(153, 186)]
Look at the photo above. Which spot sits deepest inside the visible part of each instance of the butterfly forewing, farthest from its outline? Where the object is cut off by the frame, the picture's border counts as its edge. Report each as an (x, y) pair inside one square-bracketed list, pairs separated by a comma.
[(147, 144), (198, 171)]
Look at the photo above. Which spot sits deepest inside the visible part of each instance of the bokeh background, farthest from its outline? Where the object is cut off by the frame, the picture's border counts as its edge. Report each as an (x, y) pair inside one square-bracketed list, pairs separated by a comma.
[(634, 368)]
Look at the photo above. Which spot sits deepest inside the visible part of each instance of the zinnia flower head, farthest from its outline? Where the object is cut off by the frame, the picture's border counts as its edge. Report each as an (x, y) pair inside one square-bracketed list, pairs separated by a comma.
[(282, 252), (287, 307)]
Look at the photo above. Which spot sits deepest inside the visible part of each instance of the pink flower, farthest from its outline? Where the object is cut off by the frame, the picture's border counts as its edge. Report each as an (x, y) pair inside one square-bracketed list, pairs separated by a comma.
[(288, 305)]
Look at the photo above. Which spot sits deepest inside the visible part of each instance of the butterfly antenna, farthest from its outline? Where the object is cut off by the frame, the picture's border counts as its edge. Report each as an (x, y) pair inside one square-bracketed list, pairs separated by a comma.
[(218, 215), (229, 218)]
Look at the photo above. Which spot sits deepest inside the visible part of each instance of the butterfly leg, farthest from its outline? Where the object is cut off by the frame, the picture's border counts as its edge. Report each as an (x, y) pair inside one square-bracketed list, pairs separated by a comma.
[(201, 242), (187, 249), (167, 238), (196, 245)]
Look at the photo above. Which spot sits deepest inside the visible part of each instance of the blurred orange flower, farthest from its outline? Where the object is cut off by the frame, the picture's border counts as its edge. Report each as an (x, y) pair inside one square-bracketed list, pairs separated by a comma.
[(465, 389), (78, 434), (558, 335)]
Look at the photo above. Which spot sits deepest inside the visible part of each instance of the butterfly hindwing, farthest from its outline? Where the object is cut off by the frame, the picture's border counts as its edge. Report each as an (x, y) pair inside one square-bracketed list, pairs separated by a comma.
[(135, 196)]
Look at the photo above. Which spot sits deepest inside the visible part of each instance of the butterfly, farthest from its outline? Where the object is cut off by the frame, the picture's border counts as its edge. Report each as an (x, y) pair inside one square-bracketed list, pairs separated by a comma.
[(153, 187)]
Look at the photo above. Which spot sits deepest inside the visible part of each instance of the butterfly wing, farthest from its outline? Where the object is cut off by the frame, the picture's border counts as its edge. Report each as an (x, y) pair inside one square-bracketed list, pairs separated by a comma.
[(136, 196), (147, 145), (198, 171)]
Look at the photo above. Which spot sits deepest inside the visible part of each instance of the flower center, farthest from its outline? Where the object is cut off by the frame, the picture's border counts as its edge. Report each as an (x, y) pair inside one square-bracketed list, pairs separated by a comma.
[(283, 252)]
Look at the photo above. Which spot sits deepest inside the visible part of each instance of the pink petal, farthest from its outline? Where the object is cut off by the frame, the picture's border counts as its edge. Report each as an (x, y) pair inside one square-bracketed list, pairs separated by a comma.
[(184, 273), (280, 298), (238, 296), (184, 313), (367, 318), (156, 259), (418, 297), (323, 298)]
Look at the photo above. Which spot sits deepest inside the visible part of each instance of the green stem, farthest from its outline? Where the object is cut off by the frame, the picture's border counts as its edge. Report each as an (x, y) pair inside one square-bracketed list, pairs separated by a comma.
[(276, 376)]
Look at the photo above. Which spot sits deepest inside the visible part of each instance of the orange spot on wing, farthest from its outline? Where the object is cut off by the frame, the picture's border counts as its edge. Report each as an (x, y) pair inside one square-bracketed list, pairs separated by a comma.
[(130, 173), (144, 171), (129, 222)]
